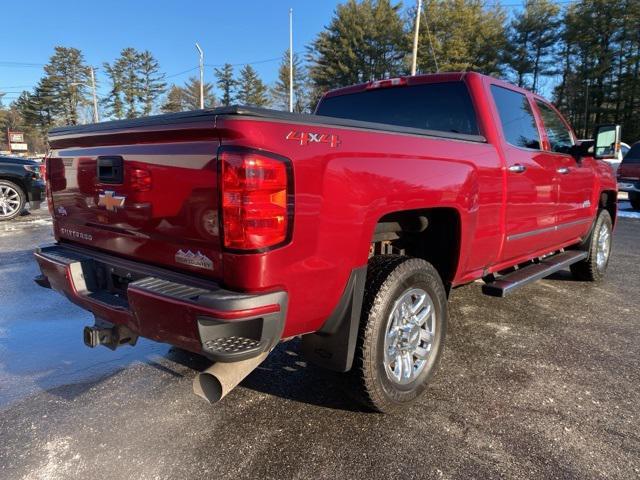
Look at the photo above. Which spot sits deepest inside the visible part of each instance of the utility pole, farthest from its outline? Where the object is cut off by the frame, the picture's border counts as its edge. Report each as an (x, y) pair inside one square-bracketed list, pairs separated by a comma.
[(414, 60), (201, 75), (291, 59), (96, 117)]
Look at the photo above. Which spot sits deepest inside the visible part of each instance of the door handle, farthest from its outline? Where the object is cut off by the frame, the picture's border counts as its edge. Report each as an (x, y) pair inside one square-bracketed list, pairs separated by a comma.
[(563, 170), (517, 168)]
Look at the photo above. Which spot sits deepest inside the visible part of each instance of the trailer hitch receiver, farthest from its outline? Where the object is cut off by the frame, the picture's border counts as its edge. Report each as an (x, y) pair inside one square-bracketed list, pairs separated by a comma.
[(109, 335)]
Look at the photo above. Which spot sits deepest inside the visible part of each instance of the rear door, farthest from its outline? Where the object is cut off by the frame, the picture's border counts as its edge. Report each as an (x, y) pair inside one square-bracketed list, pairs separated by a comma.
[(576, 179), (531, 190)]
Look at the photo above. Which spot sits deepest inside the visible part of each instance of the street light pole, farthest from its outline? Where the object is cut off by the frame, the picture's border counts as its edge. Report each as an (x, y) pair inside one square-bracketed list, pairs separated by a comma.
[(96, 117), (291, 59), (414, 59), (201, 75)]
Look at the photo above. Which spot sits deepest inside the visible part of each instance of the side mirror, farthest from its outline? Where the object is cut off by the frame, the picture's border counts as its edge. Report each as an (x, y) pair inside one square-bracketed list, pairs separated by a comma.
[(582, 149), (607, 141)]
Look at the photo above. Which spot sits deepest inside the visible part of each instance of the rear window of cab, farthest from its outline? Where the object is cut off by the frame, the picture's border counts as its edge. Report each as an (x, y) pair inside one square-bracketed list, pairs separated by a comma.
[(443, 107)]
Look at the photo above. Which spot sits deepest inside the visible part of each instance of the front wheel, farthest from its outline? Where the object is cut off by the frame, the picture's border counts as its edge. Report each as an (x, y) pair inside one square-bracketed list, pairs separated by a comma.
[(402, 331), (634, 200), (595, 265)]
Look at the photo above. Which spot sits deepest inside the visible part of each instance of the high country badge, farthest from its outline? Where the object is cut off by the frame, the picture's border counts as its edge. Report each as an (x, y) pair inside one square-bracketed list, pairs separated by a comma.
[(194, 259)]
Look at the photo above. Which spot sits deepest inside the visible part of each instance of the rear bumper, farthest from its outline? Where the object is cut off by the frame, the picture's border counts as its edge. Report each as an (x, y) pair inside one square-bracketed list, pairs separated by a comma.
[(165, 306)]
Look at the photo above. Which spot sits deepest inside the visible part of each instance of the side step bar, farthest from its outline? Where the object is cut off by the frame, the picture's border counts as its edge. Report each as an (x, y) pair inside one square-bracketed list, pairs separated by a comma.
[(506, 284)]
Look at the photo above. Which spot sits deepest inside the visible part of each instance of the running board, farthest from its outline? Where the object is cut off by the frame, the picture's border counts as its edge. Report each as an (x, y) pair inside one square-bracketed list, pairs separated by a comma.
[(506, 284)]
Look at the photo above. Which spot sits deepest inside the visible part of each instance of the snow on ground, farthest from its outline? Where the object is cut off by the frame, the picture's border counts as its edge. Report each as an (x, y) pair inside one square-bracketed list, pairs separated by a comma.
[(625, 210)]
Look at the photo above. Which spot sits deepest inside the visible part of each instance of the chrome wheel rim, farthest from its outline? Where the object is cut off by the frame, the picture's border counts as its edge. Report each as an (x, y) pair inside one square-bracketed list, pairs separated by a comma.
[(409, 336), (604, 246), (9, 201)]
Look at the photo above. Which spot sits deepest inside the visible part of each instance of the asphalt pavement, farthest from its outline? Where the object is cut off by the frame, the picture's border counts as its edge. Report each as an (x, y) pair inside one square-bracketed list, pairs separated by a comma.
[(543, 384)]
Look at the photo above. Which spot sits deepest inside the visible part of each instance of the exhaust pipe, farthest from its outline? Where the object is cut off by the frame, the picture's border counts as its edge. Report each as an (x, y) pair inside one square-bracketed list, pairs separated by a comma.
[(220, 378)]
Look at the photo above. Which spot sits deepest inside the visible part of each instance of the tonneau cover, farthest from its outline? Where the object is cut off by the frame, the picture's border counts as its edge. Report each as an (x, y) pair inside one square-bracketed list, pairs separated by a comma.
[(210, 114)]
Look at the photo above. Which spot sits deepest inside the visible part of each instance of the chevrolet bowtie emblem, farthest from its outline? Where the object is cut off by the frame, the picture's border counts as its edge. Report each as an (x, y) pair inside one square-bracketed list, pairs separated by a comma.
[(110, 200)]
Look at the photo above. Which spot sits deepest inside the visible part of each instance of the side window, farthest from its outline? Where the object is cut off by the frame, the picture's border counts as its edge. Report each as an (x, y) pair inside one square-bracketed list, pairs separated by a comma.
[(518, 123), (559, 136)]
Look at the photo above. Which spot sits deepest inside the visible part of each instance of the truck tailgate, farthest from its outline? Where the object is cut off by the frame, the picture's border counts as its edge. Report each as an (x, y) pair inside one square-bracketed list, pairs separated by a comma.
[(147, 191)]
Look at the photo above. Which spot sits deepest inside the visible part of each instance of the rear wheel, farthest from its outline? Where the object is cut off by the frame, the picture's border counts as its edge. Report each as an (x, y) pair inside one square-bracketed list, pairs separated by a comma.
[(12, 200), (595, 265), (634, 199), (402, 331)]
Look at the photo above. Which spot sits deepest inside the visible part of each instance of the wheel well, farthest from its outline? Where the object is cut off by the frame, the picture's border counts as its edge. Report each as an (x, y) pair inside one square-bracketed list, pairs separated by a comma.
[(430, 234), (609, 202), (17, 181)]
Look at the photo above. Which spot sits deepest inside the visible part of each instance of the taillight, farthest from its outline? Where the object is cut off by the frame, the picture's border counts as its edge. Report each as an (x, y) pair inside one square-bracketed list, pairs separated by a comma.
[(47, 167), (43, 171), (139, 179), (257, 205)]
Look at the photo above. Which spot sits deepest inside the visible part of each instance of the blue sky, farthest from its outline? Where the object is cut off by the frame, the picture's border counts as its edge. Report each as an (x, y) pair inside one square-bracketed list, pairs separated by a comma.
[(237, 32)]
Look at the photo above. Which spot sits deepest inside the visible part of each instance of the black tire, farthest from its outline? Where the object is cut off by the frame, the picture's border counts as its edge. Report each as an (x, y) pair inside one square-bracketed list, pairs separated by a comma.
[(13, 193), (589, 269), (389, 277), (634, 200)]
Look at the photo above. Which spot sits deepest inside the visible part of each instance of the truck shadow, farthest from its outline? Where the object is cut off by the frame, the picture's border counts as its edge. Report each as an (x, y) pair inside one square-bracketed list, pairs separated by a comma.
[(285, 374)]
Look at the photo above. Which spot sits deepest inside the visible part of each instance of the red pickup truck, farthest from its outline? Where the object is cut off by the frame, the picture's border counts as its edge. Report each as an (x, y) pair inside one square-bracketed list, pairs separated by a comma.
[(226, 231)]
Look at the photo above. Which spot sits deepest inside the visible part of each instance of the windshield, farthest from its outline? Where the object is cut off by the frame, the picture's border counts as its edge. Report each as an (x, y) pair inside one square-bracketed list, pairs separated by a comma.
[(633, 155)]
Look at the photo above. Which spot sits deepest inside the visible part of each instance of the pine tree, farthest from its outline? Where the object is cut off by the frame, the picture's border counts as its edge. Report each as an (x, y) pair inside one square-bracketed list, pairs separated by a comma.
[(251, 89), (67, 76), (136, 84), (533, 36), (280, 91), (113, 101), (191, 95), (174, 102), (226, 83), (461, 35), (152, 81), (364, 41)]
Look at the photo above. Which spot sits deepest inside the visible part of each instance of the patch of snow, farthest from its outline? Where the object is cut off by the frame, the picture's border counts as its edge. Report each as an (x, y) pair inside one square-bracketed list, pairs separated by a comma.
[(625, 211)]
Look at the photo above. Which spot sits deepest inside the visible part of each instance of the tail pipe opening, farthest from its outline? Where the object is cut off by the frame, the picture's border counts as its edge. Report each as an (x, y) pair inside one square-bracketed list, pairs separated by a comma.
[(220, 378)]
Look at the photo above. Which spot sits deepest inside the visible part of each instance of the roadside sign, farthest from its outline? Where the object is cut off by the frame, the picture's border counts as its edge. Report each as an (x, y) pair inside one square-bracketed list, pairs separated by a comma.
[(16, 142)]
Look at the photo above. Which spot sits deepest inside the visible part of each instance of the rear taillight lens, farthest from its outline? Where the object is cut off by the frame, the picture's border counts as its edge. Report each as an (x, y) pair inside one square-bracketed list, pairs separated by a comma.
[(43, 171), (139, 179), (257, 205)]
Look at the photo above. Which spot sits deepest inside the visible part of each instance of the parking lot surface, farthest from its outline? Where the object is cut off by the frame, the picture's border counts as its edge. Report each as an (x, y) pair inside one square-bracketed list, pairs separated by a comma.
[(543, 384)]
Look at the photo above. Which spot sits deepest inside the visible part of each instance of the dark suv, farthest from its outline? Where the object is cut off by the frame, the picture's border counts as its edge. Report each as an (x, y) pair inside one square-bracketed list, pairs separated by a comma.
[(629, 175), (20, 182)]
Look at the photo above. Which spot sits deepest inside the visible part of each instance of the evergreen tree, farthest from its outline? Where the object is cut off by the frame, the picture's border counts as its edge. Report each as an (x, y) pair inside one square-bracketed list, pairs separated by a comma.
[(251, 89), (191, 95), (130, 81), (461, 35), (280, 91), (600, 49), (533, 35), (67, 77), (174, 102), (226, 83), (364, 41), (152, 81), (113, 101), (136, 84)]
